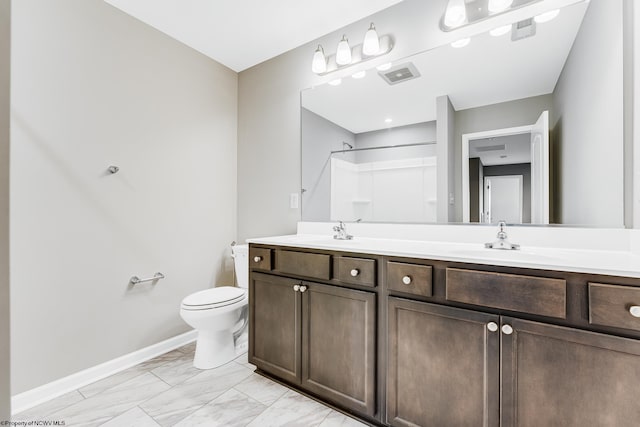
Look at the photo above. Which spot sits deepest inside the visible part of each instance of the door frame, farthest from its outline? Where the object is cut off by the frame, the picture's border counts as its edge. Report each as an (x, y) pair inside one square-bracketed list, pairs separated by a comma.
[(466, 140)]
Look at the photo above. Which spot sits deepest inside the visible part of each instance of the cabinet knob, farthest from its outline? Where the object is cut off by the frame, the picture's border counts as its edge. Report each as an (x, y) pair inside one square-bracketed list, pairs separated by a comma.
[(296, 288), (492, 326), (355, 272), (303, 288), (406, 280), (634, 310), (507, 329), (257, 258)]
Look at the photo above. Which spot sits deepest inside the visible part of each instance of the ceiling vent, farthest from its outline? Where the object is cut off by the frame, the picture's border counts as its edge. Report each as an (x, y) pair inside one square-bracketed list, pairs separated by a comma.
[(400, 73), (490, 148), (523, 29)]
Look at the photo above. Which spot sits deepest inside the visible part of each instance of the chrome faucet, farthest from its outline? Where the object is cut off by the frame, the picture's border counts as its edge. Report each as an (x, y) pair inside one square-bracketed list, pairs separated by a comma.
[(341, 232), (502, 242)]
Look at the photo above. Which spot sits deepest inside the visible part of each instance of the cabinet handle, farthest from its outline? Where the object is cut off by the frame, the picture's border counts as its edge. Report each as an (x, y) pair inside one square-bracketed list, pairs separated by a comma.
[(507, 329), (355, 272), (634, 310), (296, 288), (406, 280), (492, 326), (257, 258), (303, 288)]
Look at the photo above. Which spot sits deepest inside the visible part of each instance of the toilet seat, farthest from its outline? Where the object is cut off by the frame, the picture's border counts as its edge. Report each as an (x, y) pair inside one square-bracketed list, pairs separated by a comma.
[(214, 298)]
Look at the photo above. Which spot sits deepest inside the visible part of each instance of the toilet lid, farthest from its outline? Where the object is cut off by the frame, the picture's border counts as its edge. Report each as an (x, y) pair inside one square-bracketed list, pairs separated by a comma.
[(223, 295)]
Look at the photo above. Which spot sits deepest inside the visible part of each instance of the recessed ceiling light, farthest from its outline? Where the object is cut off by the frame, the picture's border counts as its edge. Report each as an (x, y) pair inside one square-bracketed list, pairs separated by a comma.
[(500, 31), (384, 67), (460, 43), (359, 74), (547, 16), (335, 82), (388, 120)]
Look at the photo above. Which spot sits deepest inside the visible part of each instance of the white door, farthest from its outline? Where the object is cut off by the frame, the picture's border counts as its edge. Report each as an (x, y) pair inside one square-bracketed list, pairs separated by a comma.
[(540, 170), (503, 199)]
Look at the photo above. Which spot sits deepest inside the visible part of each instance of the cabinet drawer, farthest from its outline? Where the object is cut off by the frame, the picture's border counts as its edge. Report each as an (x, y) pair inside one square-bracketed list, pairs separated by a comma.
[(527, 294), (359, 271), (260, 258), (410, 278), (303, 264), (609, 305)]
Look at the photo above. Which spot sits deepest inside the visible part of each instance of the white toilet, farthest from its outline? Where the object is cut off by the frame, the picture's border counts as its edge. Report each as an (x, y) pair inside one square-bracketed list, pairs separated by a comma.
[(219, 315)]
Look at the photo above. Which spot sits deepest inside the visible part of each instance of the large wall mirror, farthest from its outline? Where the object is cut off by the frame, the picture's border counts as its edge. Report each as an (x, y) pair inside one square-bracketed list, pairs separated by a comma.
[(525, 126)]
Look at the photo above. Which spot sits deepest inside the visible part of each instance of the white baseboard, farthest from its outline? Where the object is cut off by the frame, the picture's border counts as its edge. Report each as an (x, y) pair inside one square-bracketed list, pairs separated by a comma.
[(30, 398)]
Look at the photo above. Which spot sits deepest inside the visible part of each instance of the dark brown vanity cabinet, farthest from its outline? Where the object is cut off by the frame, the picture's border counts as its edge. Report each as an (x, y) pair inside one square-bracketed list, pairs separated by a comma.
[(443, 366), (558, 376), (413, 342), (454, 367), (319, 337)]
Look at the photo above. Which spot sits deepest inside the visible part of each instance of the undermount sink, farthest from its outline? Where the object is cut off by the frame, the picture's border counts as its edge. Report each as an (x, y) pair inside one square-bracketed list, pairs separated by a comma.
[(497, 254)]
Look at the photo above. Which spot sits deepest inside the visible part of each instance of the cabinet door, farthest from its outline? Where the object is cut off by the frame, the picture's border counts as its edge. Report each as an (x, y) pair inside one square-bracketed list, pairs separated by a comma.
[(443, 366), (556, 376), (339, 345), (274, 329)]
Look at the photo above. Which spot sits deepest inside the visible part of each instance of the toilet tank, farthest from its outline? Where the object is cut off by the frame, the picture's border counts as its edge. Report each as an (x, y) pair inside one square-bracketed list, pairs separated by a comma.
[(240, 254)]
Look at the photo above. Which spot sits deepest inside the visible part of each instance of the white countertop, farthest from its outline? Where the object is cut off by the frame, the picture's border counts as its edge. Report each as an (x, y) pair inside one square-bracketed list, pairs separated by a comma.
[(607, 262)]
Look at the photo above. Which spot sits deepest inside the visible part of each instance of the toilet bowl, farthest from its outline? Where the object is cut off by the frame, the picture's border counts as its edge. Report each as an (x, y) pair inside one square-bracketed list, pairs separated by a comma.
[(217, 314)]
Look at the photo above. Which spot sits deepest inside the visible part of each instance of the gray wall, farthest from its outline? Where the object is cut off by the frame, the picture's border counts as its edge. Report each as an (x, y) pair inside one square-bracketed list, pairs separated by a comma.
[(588, 122), (92, 87), (523, 169), (447, 160), (269, 112), (521, 112), (320, 137), (5, 43), (410, 134)]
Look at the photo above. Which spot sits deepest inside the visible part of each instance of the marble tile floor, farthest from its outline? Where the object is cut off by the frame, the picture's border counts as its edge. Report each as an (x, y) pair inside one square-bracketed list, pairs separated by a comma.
[(169, 391)]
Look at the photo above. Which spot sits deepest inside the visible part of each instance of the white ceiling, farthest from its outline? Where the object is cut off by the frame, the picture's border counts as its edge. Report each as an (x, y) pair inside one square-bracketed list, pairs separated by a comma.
[(487, 71), (517, 149), (243, 33)]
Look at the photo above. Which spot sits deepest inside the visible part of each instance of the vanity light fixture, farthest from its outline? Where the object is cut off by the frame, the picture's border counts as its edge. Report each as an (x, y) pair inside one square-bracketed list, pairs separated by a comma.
[(372, 46), (343, 53), (384, 67), (335, 82), (500, 31), (461, 43), (456, 13), (547, 16), (496, 6), (359, 74), (319, 63)]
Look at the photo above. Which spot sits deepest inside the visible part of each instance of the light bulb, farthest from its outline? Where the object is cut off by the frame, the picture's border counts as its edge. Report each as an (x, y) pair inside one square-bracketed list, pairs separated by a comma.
[(496, 6), (547, 16), (343, 53), (319, 63), (359, 74), (461, 43), (497, 32), (456, 13), (371, 44), (384, 67), (335, 82)]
